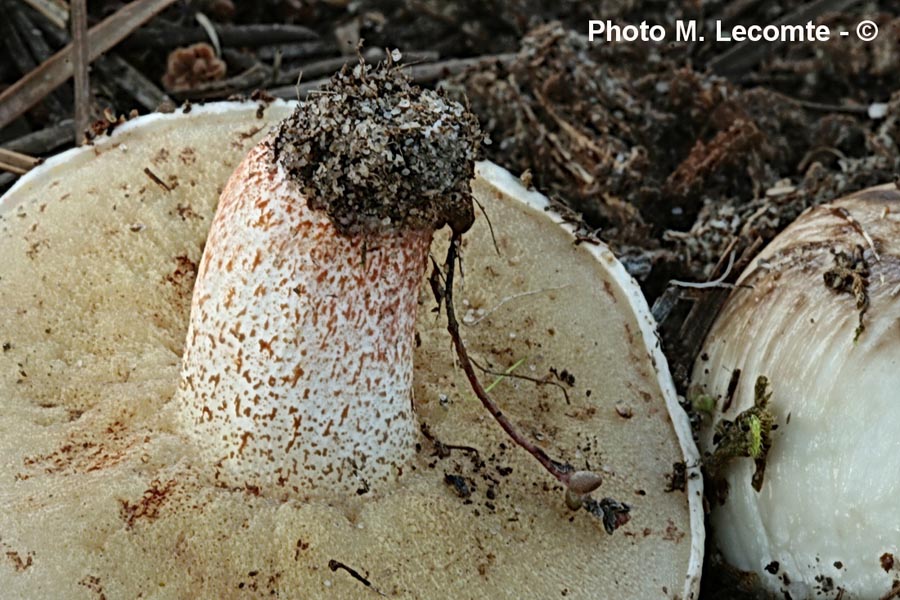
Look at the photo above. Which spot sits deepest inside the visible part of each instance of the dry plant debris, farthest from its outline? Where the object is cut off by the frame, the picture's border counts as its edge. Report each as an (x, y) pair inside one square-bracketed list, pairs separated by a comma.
[(850, 275), (190, 67), (670, 163)]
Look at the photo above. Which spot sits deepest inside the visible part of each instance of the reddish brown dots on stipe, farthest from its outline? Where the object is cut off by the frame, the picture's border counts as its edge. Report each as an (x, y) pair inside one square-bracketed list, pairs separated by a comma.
[(244, 438), (307, 327), (295, 376)]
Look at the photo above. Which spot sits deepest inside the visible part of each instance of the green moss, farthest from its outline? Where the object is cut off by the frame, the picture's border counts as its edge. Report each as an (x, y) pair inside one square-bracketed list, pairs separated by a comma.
[(703, 403), (749, 435)]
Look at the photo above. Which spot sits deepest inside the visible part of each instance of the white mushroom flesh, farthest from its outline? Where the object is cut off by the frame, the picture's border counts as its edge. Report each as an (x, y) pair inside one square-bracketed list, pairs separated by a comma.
[(826, 522)]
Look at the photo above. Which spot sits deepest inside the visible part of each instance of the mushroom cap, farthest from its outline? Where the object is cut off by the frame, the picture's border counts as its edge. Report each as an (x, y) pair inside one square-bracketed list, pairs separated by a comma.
[(827, 510), (101, 493)]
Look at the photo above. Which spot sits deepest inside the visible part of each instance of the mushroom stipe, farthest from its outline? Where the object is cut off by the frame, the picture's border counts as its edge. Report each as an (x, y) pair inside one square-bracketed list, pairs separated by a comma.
[(309, 393), (104, 491)]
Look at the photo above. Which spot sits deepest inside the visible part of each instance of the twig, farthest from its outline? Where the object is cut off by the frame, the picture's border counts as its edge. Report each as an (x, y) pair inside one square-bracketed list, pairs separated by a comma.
[(669, 299), (561, 471), (578, 484), (326, 66), (329, 66), (487, 220), (535, 380), (334, 565), (300, 91), (441, 70), (18, 52), (12, 168), (239, 60), (131, 81), (686, 336), (579, 138), (55, 12), (80, 62), (56, 36), (155, 179), (172, 35), (840, 211), (418, 73), (733, 10), (254, 77), (16, 49), (443, 450), (295, 51), (718, 282), (743, 56), (34, 38), (29, 90), (503, 301), (43, 141), (428, 11), (61, 100), (17, 163), (211, 32), (18, 160), (823, 107), (664, 304), (276, 66)]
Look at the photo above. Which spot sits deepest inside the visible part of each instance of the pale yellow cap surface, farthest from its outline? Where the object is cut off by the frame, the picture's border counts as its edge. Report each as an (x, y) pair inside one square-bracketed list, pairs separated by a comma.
[(101, 493)]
